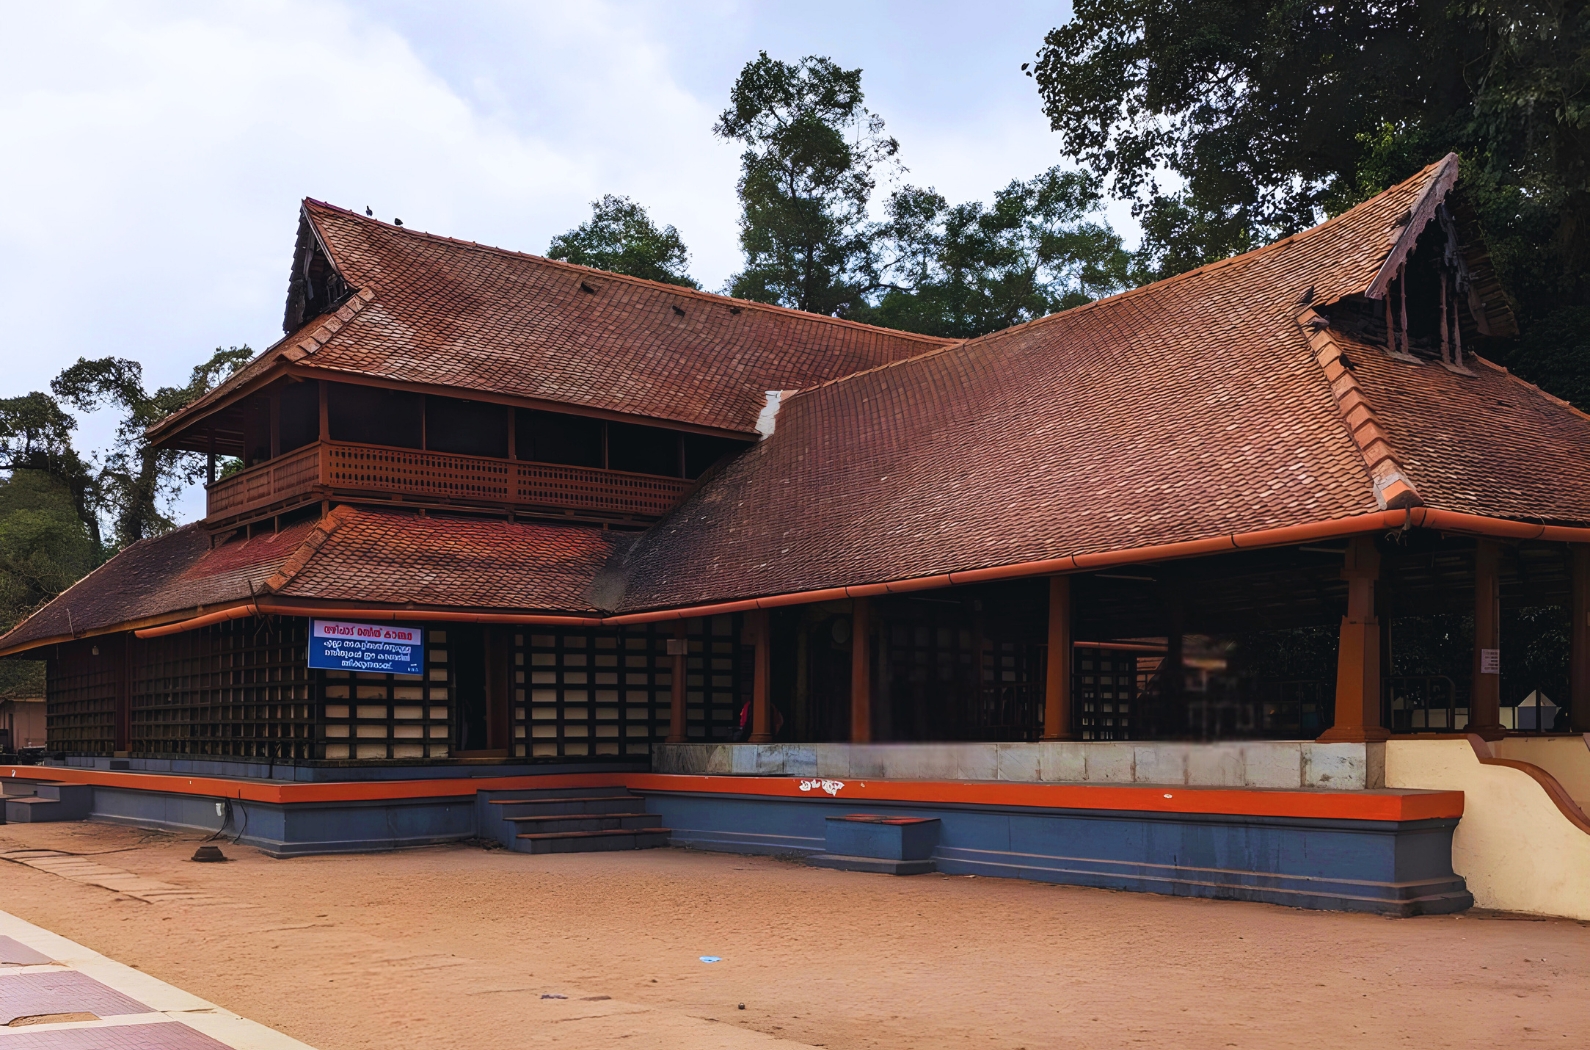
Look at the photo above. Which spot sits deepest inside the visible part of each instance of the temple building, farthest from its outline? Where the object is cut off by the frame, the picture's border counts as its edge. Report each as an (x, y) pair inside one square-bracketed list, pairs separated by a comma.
[(1232, 531)]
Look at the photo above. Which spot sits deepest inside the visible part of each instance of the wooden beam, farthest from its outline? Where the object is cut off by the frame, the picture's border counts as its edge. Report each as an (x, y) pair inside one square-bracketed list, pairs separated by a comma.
[(1485, 697), (1579, 641), (1057, 671), (861, 671), (761, 679), (679, 644), (1358, 652)]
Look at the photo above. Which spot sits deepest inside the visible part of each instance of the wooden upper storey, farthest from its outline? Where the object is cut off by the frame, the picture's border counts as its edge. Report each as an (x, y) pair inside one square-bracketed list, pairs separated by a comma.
[(305, 441), (474, 358)]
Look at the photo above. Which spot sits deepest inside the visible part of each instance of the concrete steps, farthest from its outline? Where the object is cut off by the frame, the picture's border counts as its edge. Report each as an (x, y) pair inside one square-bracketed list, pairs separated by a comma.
[(35, 802), (571, 820)]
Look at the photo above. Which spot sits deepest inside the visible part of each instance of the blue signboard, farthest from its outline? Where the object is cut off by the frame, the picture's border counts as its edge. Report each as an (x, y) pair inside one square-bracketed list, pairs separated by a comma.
[(337, 645)]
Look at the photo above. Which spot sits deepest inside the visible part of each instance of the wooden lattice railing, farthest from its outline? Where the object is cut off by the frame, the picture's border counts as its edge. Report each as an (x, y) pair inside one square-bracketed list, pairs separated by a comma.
[(279, 479), (328, 469)]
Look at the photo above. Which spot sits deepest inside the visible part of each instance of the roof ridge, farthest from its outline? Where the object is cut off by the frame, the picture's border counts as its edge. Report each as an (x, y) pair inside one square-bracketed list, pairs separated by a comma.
[(663, 286), (1393, 490), (307, 549)]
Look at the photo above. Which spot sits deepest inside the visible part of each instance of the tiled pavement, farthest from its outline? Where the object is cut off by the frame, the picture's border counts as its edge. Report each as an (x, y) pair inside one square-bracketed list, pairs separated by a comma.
[(58, 995)]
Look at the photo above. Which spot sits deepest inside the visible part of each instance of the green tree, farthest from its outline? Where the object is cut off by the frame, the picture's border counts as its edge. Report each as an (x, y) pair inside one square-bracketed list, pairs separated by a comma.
[(138, 480), (620, 237), (45, 546), (967, 270), (36, 435), (1271, 114), (806, 178)]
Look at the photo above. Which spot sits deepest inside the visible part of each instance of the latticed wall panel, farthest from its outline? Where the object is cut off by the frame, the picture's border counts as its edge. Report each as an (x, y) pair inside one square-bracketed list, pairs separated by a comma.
[(82, 682), (389, 715), (240, 689), (1105, 687), (608, 693)]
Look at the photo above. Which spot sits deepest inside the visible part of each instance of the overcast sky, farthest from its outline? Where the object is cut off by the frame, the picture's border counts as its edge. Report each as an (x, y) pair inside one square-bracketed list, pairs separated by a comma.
[(155, 153)]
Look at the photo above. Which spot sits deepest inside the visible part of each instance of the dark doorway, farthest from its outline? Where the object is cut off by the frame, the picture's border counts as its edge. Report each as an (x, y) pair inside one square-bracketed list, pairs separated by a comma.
[(471, 701)]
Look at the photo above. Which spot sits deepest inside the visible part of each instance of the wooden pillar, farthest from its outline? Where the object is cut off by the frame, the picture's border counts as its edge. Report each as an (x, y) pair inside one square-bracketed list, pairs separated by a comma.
[(209, 458), (1057, 672), (1579, 642), (1485, 697), (761, 680), (861, 670), (679, 649), (1358, 652)]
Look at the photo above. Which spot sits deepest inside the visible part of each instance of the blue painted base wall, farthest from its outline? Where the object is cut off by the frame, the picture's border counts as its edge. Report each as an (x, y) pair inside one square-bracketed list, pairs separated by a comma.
[(1394, 868), (299, 829)]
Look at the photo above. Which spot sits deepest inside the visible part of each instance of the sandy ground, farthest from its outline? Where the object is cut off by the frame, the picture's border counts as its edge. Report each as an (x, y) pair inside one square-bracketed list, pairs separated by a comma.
[(457, 947)]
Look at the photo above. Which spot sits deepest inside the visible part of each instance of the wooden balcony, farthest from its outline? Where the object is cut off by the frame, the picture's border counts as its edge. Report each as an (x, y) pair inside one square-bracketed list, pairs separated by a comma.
[(329, 470)]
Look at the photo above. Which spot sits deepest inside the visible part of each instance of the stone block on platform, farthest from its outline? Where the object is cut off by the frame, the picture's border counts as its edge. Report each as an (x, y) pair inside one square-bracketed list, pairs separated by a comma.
[(1272, 764), (1338, 766), (1159, 764), (889, 844), (1018, 762), (1214, 765), (833, 760), (1111, 763), (1063, 761)]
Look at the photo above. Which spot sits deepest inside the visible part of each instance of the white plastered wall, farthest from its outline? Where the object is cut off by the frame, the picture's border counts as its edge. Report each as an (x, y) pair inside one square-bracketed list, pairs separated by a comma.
[(1514, 847), (1567, 758)]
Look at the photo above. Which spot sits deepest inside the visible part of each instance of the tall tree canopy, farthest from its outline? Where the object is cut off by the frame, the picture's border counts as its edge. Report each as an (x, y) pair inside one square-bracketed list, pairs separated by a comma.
[(969, 269), (620, 237), (1272, 114), (812, 150), (137, 481)]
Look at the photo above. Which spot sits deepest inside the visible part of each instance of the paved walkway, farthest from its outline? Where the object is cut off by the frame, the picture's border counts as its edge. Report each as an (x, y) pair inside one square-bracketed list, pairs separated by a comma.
[(58, 995)]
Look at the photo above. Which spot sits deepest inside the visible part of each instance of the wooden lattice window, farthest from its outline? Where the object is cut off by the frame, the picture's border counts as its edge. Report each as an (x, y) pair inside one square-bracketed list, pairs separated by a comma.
[(239, 689), (375, 716), (1105, 687), (718, 681), (80, 689), (587, 694)]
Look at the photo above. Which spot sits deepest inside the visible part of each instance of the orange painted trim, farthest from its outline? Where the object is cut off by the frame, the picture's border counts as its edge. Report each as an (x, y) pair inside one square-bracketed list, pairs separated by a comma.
[(236, 612), (1255, 802), (1388, 805)]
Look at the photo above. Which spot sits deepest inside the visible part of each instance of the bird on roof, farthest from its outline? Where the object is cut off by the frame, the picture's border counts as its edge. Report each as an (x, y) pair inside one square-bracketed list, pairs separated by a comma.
[(397, 222), (367, 210)]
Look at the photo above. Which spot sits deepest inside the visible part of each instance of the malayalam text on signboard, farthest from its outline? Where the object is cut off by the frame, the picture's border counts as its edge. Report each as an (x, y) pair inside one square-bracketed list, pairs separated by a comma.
[(338, 645)]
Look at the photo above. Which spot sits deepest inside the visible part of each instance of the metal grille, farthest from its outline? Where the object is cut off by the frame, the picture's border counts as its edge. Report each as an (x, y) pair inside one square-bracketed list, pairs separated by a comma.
[(390, 715), (238, 689), (81, 693)]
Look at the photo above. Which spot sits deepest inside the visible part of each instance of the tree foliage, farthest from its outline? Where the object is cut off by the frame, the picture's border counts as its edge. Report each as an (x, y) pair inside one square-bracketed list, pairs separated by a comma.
[(620, 237), (807, 174), (137, 481), (45, 546), (969, 269), (36, 436), (1271, 114)]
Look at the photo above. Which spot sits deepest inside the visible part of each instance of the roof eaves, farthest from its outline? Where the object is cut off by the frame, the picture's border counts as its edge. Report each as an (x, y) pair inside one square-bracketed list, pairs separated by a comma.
[(1393, 489)]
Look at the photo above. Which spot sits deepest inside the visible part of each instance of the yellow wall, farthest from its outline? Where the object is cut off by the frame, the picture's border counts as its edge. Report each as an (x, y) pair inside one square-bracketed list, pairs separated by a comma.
[(1567, 758), (1514, 847)]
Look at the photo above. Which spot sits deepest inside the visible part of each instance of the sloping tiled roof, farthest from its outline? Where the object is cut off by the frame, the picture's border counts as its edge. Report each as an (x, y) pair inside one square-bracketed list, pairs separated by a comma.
[(1183, 410), (350, 555), (450, 313)]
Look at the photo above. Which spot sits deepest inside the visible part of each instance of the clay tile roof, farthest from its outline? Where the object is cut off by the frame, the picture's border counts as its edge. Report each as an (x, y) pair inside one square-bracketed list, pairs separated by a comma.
[(1187, 409), (348, 556), (436, 311)]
